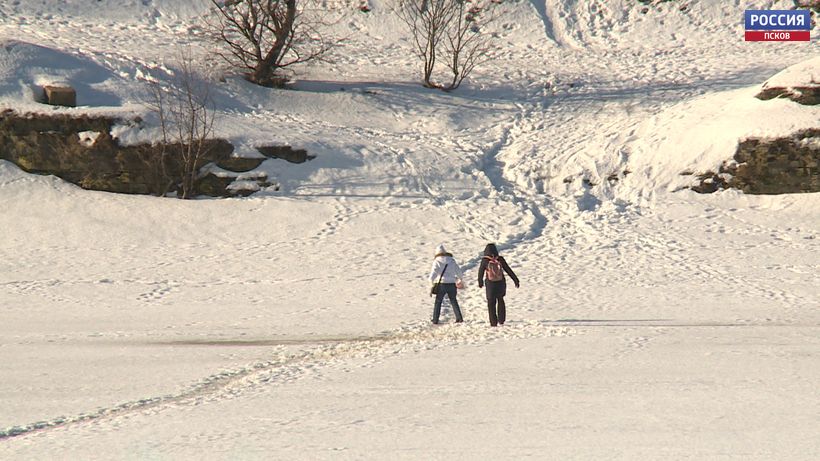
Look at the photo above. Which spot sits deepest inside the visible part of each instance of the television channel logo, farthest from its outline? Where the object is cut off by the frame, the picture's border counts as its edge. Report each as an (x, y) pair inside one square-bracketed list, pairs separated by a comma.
[(778, 25)]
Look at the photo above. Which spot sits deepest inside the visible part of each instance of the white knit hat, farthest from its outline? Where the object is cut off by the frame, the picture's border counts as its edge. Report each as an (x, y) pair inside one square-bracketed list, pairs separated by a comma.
[(440, 249)]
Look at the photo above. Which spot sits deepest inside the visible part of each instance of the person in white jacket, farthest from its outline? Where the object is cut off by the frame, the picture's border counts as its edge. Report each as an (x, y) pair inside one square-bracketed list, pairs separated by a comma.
[(444, 276)]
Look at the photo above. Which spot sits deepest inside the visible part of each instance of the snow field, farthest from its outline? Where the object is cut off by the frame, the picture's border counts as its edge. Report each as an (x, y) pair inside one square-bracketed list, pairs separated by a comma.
[(295, 324)]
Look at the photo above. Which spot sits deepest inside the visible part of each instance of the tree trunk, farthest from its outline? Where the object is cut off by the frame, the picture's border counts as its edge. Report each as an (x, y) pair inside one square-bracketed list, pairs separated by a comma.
[(266, 68)]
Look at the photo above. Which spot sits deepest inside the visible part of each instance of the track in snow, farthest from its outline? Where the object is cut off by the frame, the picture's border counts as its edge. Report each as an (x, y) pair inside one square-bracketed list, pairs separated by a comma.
[(287, 366)]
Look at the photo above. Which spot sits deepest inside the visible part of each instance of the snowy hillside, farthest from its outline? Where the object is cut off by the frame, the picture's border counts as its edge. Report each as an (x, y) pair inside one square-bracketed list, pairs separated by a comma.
[(651, 322), (700, 134)]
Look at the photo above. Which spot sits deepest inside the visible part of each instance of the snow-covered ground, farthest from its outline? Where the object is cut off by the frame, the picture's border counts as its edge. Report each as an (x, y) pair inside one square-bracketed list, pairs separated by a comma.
[(294, 324)]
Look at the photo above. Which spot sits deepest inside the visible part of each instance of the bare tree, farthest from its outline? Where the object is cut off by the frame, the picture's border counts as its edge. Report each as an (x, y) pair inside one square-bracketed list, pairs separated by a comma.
[(450, 28), (265, 36), (427, 21), (466, 45), (186, 113)]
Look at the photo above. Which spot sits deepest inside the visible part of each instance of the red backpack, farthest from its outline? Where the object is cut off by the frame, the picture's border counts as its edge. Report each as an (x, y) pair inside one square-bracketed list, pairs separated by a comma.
[(494, 271)]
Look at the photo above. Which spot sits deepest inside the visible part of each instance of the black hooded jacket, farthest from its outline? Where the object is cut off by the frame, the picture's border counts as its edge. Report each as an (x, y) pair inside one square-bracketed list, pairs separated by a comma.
[(489, 251)]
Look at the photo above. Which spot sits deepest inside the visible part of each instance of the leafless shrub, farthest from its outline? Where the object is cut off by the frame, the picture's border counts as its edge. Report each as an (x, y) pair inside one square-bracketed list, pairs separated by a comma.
[(467, 45), (185, 109), (427, 21), (452, 28)]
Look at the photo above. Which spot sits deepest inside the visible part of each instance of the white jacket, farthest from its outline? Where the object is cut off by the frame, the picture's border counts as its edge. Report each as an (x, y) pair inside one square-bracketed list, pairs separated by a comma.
[(451, 274)]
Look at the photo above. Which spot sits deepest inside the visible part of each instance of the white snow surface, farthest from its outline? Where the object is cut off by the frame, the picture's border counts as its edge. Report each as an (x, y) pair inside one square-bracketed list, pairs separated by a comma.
[(651, 323), (803, 74)]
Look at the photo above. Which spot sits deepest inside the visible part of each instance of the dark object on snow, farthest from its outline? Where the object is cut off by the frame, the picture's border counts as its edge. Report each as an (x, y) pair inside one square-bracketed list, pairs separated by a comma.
[(240, 164), (286, 153), (805, 95), (53, 145), (60, 96), (213, 185), (787, 165)]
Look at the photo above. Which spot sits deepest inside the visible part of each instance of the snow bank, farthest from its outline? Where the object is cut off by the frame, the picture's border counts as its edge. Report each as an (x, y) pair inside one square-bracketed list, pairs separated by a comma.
[(803, 74), (25, 68), (698, 135)]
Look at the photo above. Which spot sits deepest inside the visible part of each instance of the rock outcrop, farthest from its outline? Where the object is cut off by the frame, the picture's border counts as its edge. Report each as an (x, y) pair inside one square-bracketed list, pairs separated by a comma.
[(770, 166), (82, 151)]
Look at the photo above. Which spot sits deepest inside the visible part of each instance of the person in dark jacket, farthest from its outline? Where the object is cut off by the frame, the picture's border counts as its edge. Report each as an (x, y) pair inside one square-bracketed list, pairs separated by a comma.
[(491, 274)]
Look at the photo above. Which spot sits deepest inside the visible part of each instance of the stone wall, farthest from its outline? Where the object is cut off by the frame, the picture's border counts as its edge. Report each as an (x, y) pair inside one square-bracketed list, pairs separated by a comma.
[(81, 150), (770, 166), (806, 95)]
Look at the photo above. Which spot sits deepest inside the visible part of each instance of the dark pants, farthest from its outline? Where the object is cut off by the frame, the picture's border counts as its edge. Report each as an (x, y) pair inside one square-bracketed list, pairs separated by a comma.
[(450, 290), (495, 298)]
